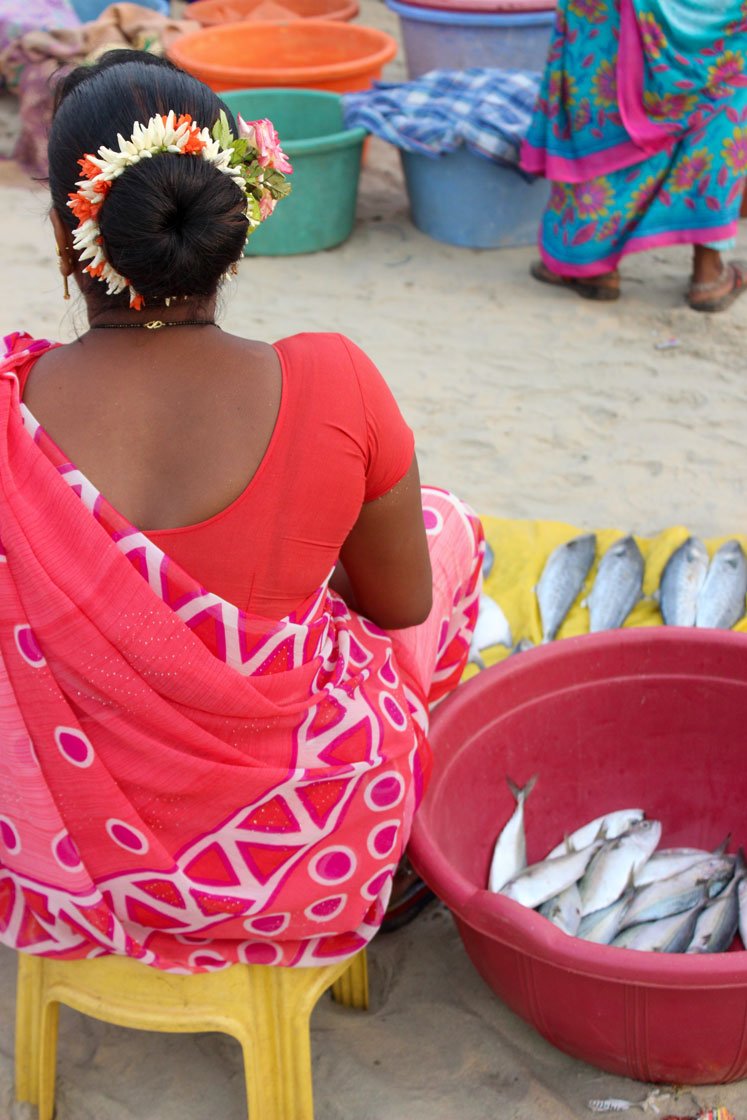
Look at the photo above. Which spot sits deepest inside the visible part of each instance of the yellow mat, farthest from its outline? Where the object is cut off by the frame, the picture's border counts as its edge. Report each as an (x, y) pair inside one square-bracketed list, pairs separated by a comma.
[(521, 550)]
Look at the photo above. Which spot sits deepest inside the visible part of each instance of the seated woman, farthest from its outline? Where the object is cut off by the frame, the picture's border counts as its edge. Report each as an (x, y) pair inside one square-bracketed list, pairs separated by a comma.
[(641, 123), (211, 750)]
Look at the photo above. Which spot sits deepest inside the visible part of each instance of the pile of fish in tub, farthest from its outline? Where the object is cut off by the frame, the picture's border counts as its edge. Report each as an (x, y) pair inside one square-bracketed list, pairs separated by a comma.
[(608, 882), (694, 590)]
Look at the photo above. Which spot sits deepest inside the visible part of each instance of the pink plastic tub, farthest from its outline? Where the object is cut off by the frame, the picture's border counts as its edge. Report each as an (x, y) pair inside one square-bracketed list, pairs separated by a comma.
[(645, 717)]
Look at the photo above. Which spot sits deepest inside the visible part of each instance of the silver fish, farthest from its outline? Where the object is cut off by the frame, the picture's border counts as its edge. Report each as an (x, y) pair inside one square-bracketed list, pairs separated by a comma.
[(541, 881), (670, 861), (679, 892), (617, 586), (602, 926), (562, 578), (667, 935), (510, 851), (717, 923), (564, 910), (742, 896), (721, 599), (613, 866), (609, 826), (683, 576), (492, 627)]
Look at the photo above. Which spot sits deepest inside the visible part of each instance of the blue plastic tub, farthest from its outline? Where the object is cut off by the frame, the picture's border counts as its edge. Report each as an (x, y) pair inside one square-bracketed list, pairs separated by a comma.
[(435, 39), (89, 10), (470, 201)]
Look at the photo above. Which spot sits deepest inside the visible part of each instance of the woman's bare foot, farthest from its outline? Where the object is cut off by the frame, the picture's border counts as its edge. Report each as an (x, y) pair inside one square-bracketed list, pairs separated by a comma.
[(714, 285), (708, 266)]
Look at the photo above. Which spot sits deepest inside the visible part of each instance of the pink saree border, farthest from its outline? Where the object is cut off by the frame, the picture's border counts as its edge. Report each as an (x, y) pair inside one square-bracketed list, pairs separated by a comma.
[(639, 245), (538, 161)]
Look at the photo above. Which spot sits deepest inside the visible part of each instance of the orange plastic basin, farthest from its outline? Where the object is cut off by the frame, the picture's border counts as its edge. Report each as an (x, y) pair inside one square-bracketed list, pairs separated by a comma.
[(314, 53), (211, 12)]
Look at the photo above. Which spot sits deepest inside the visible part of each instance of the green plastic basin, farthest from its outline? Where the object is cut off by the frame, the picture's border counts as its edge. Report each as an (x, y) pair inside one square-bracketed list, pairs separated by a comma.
[(326, 157)]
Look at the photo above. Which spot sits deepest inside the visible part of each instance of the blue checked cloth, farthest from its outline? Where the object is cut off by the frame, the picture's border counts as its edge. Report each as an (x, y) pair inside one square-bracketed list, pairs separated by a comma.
[(488, 110)]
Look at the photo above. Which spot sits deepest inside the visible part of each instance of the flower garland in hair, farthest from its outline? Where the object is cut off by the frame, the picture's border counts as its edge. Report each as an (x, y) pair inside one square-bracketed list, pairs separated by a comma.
[(255, 162)]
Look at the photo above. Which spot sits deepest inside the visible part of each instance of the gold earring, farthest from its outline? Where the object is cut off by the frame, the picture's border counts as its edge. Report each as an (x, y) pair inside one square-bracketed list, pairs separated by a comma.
[(65, 288)]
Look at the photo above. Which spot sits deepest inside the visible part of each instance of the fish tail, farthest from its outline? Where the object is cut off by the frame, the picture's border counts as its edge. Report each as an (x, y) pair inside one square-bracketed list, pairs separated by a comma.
[(530, 785), (520, 794)]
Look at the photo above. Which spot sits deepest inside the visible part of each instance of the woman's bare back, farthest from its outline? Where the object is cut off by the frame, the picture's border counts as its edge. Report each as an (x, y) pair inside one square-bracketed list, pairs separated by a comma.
[(170, 425)]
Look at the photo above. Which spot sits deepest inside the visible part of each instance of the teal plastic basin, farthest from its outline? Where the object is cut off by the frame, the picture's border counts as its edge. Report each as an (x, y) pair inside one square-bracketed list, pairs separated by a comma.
[(319, 213)]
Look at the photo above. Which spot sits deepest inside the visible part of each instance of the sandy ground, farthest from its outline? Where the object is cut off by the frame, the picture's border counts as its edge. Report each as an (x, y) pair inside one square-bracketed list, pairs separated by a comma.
[(531, 403)]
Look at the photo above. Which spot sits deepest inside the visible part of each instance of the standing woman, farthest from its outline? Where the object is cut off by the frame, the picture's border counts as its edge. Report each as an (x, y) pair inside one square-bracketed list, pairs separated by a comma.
[(212, 744), (641, 124)]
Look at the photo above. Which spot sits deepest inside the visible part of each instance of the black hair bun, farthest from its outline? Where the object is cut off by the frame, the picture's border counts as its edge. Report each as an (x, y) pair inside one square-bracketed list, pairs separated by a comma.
[(173, 225)]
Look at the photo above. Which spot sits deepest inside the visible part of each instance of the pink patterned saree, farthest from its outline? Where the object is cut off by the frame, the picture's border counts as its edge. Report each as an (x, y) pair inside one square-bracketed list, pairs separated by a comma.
[(181, 782)]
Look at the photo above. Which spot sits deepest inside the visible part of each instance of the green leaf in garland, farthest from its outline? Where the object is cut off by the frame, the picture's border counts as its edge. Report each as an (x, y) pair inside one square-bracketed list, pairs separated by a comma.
[(239, 152), (222, 131)]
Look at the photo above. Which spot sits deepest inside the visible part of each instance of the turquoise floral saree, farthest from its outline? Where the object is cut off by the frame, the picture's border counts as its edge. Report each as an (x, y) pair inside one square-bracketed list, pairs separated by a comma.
[(641, 124)]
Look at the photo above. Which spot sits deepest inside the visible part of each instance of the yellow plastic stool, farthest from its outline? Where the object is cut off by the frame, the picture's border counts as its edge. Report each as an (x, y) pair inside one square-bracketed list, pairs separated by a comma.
[(267, 1009)]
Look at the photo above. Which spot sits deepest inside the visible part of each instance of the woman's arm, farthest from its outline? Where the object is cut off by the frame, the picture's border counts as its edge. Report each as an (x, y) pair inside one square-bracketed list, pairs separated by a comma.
[(385, 569)]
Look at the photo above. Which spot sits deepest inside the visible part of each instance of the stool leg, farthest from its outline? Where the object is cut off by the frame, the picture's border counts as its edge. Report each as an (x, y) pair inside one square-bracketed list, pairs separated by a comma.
[(28, 1016), (276, 1041), (351, 989), (48, 1059)]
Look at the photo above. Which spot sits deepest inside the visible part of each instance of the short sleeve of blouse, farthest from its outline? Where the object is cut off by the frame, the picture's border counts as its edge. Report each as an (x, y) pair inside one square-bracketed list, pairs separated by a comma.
[(391, 443)]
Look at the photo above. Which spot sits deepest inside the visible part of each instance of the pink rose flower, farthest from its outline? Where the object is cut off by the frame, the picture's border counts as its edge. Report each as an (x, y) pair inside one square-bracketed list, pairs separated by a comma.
[(263, 137)]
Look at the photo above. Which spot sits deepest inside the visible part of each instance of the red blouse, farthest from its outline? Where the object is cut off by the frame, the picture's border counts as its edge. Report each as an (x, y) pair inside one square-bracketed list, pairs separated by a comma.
[(339, 441)]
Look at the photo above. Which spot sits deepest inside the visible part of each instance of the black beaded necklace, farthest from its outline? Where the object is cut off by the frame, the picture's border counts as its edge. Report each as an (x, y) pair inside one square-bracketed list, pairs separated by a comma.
[(156, 324)]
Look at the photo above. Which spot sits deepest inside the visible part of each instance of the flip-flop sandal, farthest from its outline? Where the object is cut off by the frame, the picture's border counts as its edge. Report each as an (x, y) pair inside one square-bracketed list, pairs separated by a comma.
[(738, 270), (587, 289)]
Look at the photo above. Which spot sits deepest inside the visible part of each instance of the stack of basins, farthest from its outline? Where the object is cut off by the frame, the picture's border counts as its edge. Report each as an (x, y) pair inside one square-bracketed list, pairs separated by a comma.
[(293, 71), (497, 207)]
